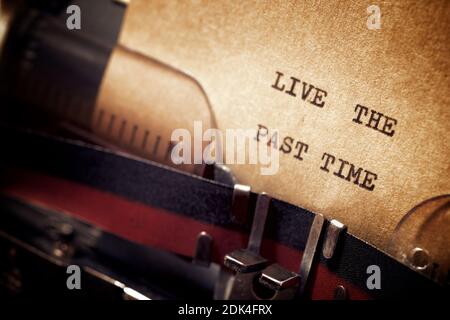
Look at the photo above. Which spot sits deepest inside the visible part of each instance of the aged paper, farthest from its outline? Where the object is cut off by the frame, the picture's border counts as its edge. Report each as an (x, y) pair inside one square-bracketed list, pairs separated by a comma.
[(140, 103), (372, 105)]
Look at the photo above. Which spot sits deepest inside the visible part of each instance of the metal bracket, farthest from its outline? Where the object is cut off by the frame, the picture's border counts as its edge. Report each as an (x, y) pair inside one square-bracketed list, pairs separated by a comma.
[(288, 284), (248, 263), (202, 255), (240, 203), (335, 228), (340, 293), (283, 282)]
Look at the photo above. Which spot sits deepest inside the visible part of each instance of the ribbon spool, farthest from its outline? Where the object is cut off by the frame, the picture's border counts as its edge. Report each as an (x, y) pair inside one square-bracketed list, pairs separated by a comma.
[(421, 239)]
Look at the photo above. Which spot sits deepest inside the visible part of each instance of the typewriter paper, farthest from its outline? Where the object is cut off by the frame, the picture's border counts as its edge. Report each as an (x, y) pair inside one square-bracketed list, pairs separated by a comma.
[(371, 105)]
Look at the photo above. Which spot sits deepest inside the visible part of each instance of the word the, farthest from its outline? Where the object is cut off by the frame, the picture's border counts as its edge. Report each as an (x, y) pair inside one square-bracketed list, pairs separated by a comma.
[(295, 87), (348, 171), (376, 120)]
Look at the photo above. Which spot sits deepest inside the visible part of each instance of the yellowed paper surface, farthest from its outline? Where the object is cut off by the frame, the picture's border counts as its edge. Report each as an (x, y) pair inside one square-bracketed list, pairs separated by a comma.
[(234, 50)]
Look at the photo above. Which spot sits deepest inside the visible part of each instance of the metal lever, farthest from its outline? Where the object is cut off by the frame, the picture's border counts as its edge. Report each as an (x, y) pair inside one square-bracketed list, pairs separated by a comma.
[(202, 255), (248, 263), (335, 228), (310, 250), (240, 203), (282, 282), (285, 283)]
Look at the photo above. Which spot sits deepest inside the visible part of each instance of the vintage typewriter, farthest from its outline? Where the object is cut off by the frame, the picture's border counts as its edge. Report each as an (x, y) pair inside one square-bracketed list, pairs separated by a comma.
[(118, 118)]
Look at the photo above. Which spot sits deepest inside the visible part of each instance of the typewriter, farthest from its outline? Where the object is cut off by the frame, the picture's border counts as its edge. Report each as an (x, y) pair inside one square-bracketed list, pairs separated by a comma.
[(224, 150)]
